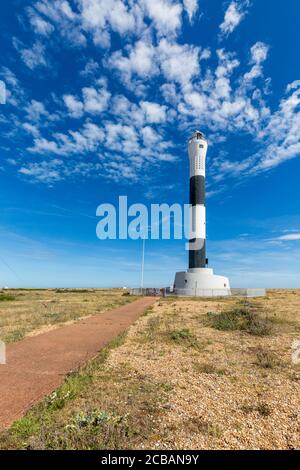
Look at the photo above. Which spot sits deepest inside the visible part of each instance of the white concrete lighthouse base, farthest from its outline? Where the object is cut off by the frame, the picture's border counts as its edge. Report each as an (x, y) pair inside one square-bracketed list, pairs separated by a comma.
[(201, 282)]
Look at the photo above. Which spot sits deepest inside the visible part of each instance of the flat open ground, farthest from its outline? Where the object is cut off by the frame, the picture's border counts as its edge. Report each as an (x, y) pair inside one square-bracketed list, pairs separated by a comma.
[(32, 311), (189, 374), (37, 365)]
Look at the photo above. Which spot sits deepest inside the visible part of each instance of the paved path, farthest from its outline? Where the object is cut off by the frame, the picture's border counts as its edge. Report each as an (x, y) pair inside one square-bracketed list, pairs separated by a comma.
[(37, 365)]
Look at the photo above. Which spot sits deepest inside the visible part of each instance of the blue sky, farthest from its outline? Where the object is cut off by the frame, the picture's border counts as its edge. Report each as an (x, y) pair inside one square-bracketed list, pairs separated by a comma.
[(102, 96)]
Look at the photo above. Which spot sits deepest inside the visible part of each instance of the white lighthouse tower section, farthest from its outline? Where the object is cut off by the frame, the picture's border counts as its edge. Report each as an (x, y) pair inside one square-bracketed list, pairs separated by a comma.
[(198, 280), (197, 228), (197, 149)]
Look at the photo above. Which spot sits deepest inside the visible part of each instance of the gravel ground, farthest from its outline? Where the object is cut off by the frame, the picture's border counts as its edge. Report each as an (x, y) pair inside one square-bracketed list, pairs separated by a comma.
[(221, 396)]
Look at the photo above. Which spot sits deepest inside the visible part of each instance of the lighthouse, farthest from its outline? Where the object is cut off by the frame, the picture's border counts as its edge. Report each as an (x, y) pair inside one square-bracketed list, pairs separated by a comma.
[(198, 280), (197, 148)]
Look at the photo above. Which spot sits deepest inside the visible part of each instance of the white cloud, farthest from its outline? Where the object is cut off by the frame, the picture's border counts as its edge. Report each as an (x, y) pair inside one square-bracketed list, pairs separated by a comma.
[(53, 171), (67, 10), (123, 138), (293, 85), (140, 61), (94, 13), (218, 101), (154, 112), (259, 52), (90, 69), (31, 129), (36, 110), (139, 114), (196, 100), (179, 63), (97, 16), (9, 77), (166, 15), (94, 101), (191, 6), (169, 93), (13, 91), (169, 83), (277, 135), (33, 57), (67, 22), (45, 172), (82, 141), (55, 10), (39, 25), (75, 106), (150, 136), (255, 72), (289, 237), (233, 16), (224, 104), (119, 172), (281, 135), (120, 18), (127, 112), (125, 148)]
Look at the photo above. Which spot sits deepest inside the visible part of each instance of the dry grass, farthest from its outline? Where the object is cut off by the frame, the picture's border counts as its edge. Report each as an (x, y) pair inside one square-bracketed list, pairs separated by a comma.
[(156, 390), (24, 312)]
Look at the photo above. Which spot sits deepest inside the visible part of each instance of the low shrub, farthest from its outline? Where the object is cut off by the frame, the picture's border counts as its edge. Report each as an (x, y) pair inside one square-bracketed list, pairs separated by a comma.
[(209, 368), (7, 297), (266, 359), (244, 318), (184, 337), (262, 409)]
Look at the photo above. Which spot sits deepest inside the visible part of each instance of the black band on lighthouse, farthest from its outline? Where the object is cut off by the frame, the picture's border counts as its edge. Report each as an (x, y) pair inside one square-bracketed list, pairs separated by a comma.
[(197, 190), (197, 258), (197, 248)]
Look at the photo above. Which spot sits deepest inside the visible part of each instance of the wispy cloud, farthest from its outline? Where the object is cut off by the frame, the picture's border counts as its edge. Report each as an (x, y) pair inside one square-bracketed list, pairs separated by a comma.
[(289, 237), (159, 84), (233, 16), (45, 172), (191, 7), (39, 25), (33, 56)]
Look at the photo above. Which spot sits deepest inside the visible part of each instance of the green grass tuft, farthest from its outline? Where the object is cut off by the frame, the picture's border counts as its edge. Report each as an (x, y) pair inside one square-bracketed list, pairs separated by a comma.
[(7, 297), (13, 336), (244, 318), (184, 337)]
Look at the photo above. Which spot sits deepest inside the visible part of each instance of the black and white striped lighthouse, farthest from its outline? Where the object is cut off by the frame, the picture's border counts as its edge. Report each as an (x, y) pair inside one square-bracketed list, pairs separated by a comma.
[(197, 148), (198, 280)]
